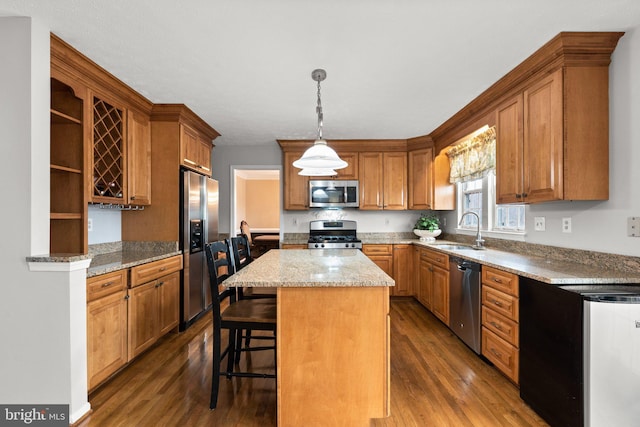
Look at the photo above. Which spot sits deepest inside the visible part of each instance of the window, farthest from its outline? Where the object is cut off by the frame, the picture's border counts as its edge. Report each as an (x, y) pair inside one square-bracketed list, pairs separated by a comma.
[(479, 196)]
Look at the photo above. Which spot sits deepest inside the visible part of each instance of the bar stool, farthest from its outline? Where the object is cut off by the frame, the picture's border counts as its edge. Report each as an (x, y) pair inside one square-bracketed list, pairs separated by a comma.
[(238, 315)]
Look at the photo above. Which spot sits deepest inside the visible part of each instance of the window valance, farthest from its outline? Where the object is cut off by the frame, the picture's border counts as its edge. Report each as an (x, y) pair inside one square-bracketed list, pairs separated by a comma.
[(473, 158)]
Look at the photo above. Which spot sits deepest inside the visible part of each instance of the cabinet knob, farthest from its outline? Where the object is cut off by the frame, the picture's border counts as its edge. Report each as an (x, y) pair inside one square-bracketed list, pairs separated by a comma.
[(495, 279), (498, 303), (495, 325), (104, 285)]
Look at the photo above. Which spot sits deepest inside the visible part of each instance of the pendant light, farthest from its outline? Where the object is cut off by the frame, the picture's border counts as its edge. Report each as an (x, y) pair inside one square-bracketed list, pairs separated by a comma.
[(319, 159)]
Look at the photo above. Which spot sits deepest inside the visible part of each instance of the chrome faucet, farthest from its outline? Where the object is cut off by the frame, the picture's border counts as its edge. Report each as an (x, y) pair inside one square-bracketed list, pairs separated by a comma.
[(479, 240)]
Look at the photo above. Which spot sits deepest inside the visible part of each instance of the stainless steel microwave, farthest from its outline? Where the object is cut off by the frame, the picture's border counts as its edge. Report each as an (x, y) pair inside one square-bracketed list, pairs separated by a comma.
[(334, 194)]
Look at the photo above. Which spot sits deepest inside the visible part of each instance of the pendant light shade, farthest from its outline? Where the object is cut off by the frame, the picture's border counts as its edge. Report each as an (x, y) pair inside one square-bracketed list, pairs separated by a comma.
[(317, 172), (318, 156), (319, 159)]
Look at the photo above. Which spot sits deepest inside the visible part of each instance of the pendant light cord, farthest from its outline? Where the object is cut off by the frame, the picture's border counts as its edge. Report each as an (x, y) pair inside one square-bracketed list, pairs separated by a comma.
[(319, 111)]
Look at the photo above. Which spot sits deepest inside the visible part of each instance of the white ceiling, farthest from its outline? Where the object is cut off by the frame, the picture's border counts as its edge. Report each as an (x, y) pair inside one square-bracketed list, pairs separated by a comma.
[(395, 69)]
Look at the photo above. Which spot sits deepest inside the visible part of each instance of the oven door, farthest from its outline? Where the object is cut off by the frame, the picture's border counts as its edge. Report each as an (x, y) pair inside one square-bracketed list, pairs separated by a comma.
[(333, 193)]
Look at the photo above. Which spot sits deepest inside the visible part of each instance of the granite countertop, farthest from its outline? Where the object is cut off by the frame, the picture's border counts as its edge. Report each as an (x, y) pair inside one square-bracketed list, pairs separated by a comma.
[(547, 270), (114, 261), (311, 268), (553, 265)]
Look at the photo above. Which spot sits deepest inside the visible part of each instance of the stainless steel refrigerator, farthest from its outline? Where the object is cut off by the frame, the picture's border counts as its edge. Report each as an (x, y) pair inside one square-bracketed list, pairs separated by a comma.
[(198, 226)]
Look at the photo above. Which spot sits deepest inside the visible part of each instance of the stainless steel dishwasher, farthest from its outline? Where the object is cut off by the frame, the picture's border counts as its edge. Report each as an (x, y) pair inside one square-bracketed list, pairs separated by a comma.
[(465, 301)]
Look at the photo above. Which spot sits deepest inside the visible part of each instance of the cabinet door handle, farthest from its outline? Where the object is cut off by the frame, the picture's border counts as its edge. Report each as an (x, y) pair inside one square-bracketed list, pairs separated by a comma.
[(127, 296), (104, 285), (159, 284)]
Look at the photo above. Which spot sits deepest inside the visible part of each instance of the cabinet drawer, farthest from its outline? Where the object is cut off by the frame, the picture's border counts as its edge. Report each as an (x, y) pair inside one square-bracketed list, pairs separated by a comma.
[(377, 249), (504, 304), (436, 258), (106, 284), (505, 328), (146, 272), (500, 280), (504, 356)]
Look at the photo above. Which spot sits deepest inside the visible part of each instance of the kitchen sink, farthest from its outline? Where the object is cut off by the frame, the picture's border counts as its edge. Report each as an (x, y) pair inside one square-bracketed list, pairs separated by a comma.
[(452, 247)]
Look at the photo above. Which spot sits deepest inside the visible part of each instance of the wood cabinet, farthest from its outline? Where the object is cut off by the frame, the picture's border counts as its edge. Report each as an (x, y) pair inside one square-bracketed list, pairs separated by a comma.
[(351, 171), (552, 139), (293, 246), (296, 187), (402, 272), (160, 221), (125, 317), (68, 204), (195, 150), (138, 158), (154, 305), (106, 326), (381, 255), (421, 179), (500, 317), (395, 260), (383, 180), (100, 147), (433, 290)]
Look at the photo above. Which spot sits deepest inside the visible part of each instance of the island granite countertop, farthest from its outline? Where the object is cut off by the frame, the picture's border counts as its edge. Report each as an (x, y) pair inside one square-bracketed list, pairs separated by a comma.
[(311, 268)]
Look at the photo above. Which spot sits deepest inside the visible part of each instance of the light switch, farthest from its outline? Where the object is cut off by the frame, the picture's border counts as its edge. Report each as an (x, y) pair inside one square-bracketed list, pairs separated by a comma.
[(633, 226)]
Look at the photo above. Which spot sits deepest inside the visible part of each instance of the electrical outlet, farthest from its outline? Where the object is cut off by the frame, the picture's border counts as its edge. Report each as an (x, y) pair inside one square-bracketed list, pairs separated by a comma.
[(566, 225), (633, 226), (89, 224), (444, 222), (295, 221), (539, 223)]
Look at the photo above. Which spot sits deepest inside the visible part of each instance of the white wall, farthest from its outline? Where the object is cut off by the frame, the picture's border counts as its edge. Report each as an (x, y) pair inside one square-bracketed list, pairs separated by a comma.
[(42, 360), (601, 226)]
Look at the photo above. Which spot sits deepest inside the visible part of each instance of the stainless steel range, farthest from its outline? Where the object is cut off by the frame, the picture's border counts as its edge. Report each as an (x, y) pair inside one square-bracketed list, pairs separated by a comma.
[(333, 235)]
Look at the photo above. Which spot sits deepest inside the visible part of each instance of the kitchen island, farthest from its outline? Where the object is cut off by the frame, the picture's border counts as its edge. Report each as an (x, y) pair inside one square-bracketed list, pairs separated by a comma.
[(333, 334)]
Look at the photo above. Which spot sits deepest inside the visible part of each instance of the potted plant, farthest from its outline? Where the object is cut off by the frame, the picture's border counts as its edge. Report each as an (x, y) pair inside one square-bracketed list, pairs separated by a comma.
[(427, 227)]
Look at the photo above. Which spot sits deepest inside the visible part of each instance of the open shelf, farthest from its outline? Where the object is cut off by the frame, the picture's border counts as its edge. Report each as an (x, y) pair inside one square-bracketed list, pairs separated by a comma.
[(68, 209), (59, 117), (65, 215), (65, 169)]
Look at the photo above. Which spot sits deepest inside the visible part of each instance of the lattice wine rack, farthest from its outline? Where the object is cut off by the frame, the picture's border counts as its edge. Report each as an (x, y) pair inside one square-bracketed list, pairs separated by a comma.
[(108, 145)]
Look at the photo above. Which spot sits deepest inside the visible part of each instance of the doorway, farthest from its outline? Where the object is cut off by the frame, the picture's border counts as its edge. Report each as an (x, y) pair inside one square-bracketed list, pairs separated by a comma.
[(256, 197)]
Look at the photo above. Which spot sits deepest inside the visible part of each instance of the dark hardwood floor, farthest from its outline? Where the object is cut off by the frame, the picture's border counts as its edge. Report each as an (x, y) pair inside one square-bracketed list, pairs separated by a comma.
[(435, 381)]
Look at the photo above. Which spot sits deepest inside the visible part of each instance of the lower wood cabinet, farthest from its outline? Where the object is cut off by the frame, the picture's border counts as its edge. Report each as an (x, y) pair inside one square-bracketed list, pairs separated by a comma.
[(433, 283), (153, 305), (106, 326), (395, 260), (125, 317), (293, 246), (500, 317)]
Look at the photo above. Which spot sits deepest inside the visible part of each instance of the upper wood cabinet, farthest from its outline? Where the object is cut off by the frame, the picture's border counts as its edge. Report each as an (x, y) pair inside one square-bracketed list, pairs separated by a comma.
[(351, 171), (552, 140), (296, 187), (176, 133), (116, 153), (195, 150), (421, 179), (383, 180), (138, 158)]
